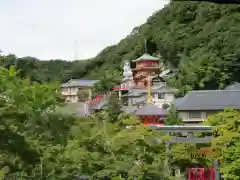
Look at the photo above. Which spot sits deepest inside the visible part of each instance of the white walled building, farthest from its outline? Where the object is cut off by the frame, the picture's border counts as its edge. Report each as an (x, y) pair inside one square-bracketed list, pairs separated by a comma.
[(198, 106), (70, 90)]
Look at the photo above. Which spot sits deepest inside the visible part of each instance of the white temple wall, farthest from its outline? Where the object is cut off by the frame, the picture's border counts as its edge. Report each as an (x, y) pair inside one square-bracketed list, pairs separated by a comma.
[(135, 100), (163, 99)]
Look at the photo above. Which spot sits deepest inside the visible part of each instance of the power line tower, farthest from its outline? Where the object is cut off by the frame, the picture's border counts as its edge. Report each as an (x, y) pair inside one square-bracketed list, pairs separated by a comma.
[(76, 50)]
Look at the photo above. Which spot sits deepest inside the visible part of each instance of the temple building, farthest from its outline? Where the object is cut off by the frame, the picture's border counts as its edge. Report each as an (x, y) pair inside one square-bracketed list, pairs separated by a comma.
[(150, 113), (147, 79), (133, 89), (145, 66)]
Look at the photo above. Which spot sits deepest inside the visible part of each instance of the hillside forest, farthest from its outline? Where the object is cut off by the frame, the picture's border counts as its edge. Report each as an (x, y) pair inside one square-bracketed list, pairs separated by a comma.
[(200, 41)]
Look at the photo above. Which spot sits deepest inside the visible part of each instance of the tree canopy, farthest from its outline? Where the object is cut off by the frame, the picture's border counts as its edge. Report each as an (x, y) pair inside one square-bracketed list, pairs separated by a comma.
[(39, 143)]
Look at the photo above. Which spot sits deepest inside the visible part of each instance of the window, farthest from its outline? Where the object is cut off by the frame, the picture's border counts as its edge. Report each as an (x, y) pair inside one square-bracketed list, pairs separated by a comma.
[(160, 96), (195, 115)]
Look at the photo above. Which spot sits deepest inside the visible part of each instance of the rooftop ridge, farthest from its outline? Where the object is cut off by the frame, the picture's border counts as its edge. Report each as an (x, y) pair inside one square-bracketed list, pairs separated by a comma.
[(220, 90), (234, 82), (85, 79)]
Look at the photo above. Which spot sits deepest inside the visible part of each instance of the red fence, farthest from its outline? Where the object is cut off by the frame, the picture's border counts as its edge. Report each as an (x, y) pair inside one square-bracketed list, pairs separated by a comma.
[(201, 174)]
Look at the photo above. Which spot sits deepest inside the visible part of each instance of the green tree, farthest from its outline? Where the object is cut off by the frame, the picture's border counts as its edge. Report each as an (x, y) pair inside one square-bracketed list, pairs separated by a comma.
[(172, 117), (115, 150), (227, 141), (38, 143)]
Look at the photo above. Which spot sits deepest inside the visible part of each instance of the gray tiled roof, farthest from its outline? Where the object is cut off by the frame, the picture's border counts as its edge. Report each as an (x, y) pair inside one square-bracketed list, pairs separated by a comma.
[(234, 86), (139, 90), (183, 128), (209, 100), (129, 109), (177, 101), (165, 72), (141, 100), (132, 94), (150, 109), (165, 89), (79, 83)]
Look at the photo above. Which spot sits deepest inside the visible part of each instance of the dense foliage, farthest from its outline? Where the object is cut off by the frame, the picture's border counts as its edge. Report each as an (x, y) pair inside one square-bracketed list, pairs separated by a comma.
[(39, 143), (200, 39), (227, 140), (53, 70)]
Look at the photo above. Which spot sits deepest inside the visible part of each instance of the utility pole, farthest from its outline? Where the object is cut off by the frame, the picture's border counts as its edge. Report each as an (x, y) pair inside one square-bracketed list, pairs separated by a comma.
[(76, 50)]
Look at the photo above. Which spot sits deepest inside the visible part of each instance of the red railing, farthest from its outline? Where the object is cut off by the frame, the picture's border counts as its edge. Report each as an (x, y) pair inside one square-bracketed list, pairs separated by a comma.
[(201, 174)]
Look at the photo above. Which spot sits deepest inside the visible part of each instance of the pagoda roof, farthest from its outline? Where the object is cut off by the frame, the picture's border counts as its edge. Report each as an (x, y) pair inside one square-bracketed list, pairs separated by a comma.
[(147, 57), (150, 110)]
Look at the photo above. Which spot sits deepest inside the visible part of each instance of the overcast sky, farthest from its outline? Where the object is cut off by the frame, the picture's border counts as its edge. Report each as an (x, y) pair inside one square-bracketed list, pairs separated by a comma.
[(51, 29)]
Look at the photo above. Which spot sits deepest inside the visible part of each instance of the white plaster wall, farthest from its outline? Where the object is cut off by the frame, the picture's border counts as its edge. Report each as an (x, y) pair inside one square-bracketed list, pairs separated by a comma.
[(74, 99), (168, 99), (185, 117), (134, 100), (69, 91), (73, 91)]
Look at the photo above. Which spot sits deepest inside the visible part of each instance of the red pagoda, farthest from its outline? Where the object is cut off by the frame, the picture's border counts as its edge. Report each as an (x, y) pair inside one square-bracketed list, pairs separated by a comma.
[(146, 66), (150, 113)]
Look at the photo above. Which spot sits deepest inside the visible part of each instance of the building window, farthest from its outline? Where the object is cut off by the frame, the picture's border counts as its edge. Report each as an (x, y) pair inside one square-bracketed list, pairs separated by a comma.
[(195, 115), (160, 96)]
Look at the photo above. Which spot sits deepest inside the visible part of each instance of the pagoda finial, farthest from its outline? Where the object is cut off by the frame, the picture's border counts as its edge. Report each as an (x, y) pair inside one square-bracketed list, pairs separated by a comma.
[(150, 99), (145, 46)]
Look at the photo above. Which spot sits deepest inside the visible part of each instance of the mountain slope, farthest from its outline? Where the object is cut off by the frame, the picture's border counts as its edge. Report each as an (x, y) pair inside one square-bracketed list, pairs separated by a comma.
[(202, 40)]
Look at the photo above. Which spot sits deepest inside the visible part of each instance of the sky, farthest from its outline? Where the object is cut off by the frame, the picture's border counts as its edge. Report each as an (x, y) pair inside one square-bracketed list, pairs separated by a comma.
[(65, 29)]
